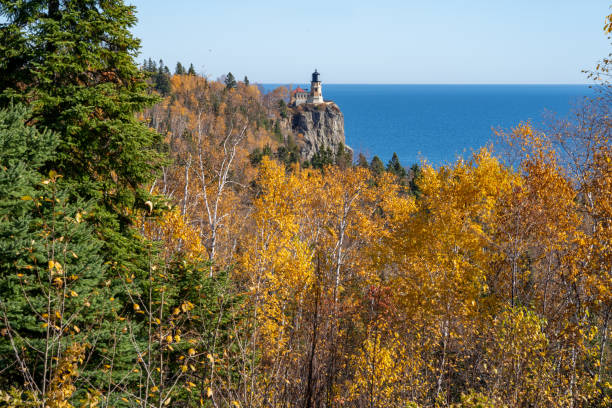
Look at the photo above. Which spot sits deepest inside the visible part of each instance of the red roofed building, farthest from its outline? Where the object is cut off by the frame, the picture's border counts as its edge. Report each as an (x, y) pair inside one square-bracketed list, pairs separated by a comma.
[(298, 96)]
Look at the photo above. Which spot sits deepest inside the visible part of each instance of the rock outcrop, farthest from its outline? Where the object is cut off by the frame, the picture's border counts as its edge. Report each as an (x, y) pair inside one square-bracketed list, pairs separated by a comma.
[(315, 127)]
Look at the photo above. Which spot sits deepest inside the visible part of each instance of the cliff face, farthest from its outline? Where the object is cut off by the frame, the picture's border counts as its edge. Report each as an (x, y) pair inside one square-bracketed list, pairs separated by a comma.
[(316, 127)]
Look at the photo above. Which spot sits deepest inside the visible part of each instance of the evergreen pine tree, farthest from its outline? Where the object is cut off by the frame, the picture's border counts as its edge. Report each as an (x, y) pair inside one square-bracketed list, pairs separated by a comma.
[(72, 63), (51, 268), (377, 166), (230, 81), (344, 157), (282, 106), (149, 66), (277, 131), (394, 166), (246, 80), (415, 175), (323, 157), (161, 79), (191, 70), (179, 70), (257, 154)]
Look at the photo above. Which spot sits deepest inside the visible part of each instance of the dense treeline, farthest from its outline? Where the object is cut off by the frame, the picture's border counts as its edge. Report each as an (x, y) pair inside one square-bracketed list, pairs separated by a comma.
[(162, 245)]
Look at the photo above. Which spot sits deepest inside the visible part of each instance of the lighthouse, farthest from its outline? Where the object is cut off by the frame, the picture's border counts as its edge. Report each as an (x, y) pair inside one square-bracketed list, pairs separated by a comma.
[(316, 93)]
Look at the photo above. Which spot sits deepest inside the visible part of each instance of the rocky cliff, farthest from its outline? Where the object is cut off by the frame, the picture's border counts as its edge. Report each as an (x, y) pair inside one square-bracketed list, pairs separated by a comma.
[(315, 127)]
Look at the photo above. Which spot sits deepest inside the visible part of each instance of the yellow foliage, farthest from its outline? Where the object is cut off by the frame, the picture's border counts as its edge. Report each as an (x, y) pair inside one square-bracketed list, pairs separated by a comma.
[(490, 289), (61, 385)]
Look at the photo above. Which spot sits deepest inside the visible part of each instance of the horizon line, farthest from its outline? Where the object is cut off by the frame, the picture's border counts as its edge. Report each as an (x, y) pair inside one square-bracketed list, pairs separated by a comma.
[(432, 83)]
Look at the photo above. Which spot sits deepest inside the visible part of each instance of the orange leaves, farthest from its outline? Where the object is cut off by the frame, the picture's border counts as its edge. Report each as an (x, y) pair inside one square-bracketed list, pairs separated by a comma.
[(185, 84), (608, 25)]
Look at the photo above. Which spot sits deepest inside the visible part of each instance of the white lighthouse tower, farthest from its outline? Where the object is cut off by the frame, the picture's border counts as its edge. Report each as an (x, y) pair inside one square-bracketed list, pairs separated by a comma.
[(316, 93)]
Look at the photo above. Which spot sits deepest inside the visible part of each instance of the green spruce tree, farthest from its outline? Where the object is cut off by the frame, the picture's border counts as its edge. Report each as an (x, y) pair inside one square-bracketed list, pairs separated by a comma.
[(344, 157), (72, 62), (282, 107), (376, 166), (179, 70), (191, 70), (230, 81), (52, 291), (149, 66), (322, 158), (161, 79), (415, 175), (395, 167)]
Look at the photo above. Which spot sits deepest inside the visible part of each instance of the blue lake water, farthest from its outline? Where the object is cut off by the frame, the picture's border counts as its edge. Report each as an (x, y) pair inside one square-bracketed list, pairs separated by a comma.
[(441, 122)]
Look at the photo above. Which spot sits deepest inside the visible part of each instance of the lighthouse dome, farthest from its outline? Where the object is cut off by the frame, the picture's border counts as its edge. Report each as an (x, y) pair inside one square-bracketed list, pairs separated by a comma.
[(315, 76)]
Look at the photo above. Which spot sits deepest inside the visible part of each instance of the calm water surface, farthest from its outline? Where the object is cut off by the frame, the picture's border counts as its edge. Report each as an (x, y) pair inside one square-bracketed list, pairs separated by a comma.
[(441, 122)]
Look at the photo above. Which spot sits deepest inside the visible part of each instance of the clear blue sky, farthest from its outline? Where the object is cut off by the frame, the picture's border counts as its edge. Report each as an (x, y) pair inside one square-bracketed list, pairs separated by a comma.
[(378, 41)]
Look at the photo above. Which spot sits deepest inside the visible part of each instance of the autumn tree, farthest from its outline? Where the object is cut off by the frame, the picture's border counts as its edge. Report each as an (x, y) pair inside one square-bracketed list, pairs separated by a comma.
[(306, 271)]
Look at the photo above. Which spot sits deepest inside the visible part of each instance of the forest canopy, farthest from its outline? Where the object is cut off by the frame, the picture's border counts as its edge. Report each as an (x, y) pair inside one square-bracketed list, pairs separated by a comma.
[(161, 244)]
